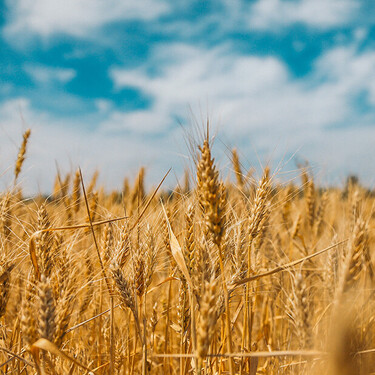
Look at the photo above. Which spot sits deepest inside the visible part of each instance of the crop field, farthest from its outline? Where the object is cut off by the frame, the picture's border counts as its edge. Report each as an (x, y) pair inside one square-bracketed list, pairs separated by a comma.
[(241, 275)]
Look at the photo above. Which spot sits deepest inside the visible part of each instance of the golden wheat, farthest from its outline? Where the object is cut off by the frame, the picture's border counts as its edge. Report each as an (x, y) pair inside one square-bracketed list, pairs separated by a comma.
[(226, 276)]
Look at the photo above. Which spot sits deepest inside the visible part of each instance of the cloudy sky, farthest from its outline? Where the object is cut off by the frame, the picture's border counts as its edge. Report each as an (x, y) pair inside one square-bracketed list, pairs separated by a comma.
[(116, 84)]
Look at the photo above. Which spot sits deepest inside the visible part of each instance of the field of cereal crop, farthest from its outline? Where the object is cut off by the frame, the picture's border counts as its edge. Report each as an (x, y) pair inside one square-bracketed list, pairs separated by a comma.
[(242, 276)]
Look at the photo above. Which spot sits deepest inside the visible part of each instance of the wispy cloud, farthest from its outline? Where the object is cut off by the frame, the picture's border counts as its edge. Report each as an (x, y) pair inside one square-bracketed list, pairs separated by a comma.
[(75, 17), (256, 98), (321, 14), (46, 74), (249, 92)]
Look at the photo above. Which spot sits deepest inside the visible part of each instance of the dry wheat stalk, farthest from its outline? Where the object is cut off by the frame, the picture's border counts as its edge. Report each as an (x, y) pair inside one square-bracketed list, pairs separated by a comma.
[(44, 241), (237, 169), (189, 238), (211, 194), (310, 202), (5, 215), (28, 317), (354, 262), (47, 310), (124, 288), (5, 271), (123, 246), (208, 319), (108, 243), (76, 193), (259, 208), (21, 154)]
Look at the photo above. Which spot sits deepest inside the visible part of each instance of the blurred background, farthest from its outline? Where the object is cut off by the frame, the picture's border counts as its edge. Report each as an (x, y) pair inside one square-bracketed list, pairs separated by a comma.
[(114, 85)]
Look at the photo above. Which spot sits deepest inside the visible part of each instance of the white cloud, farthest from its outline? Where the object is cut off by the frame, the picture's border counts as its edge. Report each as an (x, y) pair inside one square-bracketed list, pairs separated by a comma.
[(103, 105), (257, 100), (350, 72), (196, 77), (47, 74), (257, 104), (360, 34), (141, 122), (247, 90), (322, 14), (69, 145), (75, 17)]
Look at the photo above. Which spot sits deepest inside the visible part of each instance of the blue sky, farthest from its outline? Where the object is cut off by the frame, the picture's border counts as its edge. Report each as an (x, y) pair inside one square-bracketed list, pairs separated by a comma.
[(112, 85)]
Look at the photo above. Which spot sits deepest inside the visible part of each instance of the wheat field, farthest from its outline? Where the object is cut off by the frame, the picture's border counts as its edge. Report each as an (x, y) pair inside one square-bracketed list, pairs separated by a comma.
[(235, 276)]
